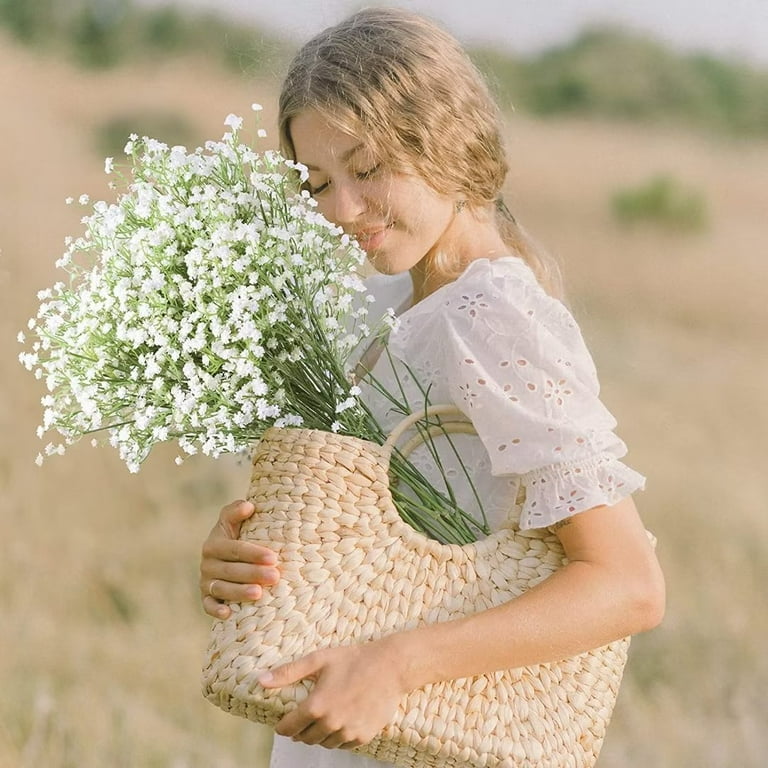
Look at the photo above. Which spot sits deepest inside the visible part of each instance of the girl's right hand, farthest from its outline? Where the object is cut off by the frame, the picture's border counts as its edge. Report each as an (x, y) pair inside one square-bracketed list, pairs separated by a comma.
[(230, 569)]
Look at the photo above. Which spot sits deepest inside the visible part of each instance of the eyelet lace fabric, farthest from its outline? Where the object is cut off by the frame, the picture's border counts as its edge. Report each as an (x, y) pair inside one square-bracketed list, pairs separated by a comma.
[(513, 360)]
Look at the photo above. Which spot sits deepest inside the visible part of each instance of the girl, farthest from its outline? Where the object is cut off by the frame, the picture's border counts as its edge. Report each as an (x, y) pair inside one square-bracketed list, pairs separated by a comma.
[(404, 149)]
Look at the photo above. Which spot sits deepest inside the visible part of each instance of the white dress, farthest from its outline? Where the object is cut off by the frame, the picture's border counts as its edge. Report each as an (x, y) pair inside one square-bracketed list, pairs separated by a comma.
[(513, 360)]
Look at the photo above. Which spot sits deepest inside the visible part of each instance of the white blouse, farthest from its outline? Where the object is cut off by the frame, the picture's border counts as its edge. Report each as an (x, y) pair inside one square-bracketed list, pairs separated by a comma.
[(513, 360)]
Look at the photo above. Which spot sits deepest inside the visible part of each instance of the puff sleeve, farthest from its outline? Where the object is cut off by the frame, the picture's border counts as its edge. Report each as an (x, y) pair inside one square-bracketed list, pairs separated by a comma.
[(517, 366)]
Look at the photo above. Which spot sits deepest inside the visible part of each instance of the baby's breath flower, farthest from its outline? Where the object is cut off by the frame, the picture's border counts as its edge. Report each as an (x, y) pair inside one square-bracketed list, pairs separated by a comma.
[(234, 122), (390, 319), (185, 313), (207, 303), (350, 402)]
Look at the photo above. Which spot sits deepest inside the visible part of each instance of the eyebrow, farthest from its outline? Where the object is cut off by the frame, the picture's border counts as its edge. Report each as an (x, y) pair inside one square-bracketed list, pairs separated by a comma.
[(344, 157)]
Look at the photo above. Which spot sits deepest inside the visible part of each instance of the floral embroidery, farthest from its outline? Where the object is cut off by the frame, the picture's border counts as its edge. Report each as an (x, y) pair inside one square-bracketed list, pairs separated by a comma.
[(532, 406), (611, 485), (467, 394), (557, 391), (471, 305), (427, 371), (569, 503), (507, 388)]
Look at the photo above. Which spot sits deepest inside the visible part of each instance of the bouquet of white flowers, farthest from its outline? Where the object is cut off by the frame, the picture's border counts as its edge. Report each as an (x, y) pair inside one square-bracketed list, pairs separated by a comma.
[(210, 302)]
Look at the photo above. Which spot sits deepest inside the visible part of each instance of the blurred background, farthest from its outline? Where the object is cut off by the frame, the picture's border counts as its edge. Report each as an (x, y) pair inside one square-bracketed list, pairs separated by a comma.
[(638, 141)]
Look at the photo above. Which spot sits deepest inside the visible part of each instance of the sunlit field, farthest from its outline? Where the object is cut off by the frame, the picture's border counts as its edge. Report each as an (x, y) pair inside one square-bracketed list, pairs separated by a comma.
[(102, 631)]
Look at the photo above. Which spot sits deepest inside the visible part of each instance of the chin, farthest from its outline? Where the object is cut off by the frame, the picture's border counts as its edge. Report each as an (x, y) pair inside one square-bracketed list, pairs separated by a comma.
[(384, 269), (387, 266), (382, 266)]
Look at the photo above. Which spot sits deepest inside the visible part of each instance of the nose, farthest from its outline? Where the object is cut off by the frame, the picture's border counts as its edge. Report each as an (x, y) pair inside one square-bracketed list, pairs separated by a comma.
[(347, 204)]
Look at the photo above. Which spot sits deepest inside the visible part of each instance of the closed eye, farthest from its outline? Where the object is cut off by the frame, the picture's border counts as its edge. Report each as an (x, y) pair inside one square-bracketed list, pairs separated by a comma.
[(314, 191), (359, 175), (372, 171)]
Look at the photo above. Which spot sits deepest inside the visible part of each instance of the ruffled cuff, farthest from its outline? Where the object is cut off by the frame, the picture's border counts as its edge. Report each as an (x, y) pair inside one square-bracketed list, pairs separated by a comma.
[(558, 491)]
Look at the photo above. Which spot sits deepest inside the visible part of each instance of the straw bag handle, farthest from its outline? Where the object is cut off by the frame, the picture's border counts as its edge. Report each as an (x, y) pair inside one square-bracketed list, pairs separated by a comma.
[(454, 422)]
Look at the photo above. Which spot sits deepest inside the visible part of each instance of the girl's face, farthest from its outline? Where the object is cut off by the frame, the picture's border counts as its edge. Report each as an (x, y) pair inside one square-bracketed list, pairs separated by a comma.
[(395, 216)]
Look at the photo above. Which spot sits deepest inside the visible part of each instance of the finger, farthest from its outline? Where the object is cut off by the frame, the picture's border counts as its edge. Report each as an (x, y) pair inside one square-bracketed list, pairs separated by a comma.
[(336, 741), (296, 722), (315, 733), (351, 744), (292, 672), (241, 583), (236, 582), (218, 547), (226, 592), (237, 573), (233, 514), (247, 552), (215, 609)]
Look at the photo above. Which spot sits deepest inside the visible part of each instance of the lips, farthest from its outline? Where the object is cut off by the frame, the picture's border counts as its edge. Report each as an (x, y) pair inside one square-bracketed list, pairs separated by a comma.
[(371, 238)]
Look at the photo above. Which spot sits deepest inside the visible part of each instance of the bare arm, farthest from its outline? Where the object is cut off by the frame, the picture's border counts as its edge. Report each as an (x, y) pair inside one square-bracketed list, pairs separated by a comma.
[(612, 587)]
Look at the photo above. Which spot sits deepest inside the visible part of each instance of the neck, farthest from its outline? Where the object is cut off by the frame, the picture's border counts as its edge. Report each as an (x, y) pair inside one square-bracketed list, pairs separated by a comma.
[(468, 237)]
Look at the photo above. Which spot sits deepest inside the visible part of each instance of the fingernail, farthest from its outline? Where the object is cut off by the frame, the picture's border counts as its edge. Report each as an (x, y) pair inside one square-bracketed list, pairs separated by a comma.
[(253, 592), (265, 678)]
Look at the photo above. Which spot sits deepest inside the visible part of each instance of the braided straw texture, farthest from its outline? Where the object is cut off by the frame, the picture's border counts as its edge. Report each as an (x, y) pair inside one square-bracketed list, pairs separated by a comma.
[(353, 571)]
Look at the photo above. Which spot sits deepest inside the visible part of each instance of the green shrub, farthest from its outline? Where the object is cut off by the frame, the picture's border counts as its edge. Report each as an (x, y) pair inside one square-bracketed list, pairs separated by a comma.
[(164, 29), (611, 72), (30, 21), (603, 72), (503, 73), (663, 202), (105, 33), (96, 32)]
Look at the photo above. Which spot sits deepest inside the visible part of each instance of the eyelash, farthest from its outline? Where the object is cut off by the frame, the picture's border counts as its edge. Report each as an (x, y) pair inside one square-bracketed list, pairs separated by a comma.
[(363, 175), (360, 176), (314, 191)]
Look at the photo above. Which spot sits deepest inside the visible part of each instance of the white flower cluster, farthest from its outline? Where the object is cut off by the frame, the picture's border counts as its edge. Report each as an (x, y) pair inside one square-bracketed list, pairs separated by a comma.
[(209, 302)]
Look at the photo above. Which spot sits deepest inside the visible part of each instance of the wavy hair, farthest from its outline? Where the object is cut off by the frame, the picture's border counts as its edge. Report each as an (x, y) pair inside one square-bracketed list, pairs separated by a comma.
[(408, 87)]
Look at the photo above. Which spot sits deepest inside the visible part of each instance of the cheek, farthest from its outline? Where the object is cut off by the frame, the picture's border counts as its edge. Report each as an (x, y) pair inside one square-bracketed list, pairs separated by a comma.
[(429, 216), (379, 198), (325, 208)]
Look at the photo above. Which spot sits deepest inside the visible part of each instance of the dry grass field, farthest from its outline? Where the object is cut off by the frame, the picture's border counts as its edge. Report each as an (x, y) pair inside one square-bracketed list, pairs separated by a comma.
[(102, 634)]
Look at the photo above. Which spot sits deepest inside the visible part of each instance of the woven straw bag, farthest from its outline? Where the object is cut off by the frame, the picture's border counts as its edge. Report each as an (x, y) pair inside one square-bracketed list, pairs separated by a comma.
[(353, 571)]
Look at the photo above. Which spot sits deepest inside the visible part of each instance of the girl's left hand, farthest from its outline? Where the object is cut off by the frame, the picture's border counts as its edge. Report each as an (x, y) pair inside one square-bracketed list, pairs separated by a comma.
[(356, 692)]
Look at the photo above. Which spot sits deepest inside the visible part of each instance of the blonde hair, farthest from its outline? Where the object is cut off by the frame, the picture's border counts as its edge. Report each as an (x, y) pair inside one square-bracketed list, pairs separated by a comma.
[(408, 87)]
